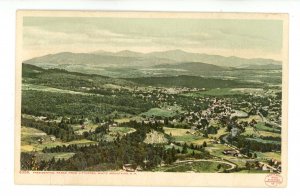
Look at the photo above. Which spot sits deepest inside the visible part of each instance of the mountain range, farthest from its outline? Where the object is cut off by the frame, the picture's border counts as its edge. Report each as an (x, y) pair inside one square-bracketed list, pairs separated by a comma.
[(175, 59)]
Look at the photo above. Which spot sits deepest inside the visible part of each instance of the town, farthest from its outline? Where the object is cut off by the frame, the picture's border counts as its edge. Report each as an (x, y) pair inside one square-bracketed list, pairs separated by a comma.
[(117, 124)]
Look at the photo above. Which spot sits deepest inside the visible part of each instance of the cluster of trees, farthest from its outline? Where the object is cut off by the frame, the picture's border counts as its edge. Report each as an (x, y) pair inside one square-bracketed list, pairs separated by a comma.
[(130, 149), (190, 82), (151, 125), (59, 130), (254, 145), (192, 146)]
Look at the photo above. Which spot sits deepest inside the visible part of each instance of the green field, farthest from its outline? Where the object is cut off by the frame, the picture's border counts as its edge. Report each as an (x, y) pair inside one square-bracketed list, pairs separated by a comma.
[(159, 113), (122, 130), (263, 156), (50, 89), (249, 131), (185, 136), (262, 127), (122, 120), (80, 142), (217, 150), (264, 141), (88, 127), (176, 131), (29, 137)]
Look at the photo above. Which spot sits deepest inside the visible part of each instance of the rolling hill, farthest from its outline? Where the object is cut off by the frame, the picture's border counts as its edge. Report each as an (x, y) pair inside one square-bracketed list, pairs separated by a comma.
[(265, 67)]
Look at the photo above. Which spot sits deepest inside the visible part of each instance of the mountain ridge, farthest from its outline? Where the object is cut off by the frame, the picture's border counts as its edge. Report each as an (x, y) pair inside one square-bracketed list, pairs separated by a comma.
[(100, 60)]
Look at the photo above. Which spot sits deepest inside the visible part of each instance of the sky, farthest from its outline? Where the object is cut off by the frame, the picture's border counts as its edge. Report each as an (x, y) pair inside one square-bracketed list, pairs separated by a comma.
[(227, 37)]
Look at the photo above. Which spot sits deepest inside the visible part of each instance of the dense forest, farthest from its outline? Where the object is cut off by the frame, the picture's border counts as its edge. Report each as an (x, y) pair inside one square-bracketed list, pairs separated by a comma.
[(190, 82)]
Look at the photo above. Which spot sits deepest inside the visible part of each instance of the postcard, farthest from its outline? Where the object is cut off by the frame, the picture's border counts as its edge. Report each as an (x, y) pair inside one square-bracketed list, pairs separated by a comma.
[(151, 98)]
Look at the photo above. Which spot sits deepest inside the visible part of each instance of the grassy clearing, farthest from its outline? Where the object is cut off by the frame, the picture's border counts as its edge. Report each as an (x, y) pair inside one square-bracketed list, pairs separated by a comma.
[(167, 111), (263, 141), (176, 131), (186, 138), (257, 118), (217, 150), (122, 130), (50, 89), (220, 92), (221, 132), (80, 142), (122, 120), (239, 113), (249, 90), (268, 134), (262, 127), (250, 131), (268, 155), (183, 136), (200, 140), (158, 112), (88, 127), (28, 131), (56, 156), (29, 137), (39, 147), (27, 148)]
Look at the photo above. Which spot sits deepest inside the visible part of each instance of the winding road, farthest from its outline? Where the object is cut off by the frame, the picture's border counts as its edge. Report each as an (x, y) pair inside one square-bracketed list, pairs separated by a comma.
[(179, 163)]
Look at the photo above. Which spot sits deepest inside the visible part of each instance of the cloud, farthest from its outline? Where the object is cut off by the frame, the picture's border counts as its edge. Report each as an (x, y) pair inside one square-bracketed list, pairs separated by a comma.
[(52, 35)]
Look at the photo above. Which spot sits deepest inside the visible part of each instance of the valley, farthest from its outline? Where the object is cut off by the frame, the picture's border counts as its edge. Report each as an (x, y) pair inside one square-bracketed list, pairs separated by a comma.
[(151, 112)]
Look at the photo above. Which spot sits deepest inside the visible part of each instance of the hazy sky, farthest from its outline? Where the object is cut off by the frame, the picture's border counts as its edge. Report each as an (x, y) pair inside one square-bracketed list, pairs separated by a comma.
[(244, 38)]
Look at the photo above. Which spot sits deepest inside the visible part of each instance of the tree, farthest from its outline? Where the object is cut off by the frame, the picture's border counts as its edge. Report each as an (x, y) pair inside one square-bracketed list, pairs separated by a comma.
[(192, 146), (184, 149), (212, 130), (102, 129), (248, 165), (205, 134), (166, 121), (81, 121), (254, 155), (85, 134), (204, 123)]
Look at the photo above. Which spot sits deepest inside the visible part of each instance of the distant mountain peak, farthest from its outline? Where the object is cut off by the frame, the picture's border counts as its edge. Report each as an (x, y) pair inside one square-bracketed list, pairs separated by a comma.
[(128, 53)]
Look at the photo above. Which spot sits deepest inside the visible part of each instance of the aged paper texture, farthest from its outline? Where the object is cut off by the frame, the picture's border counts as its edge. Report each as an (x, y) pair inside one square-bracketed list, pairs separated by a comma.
[(151, 98)]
